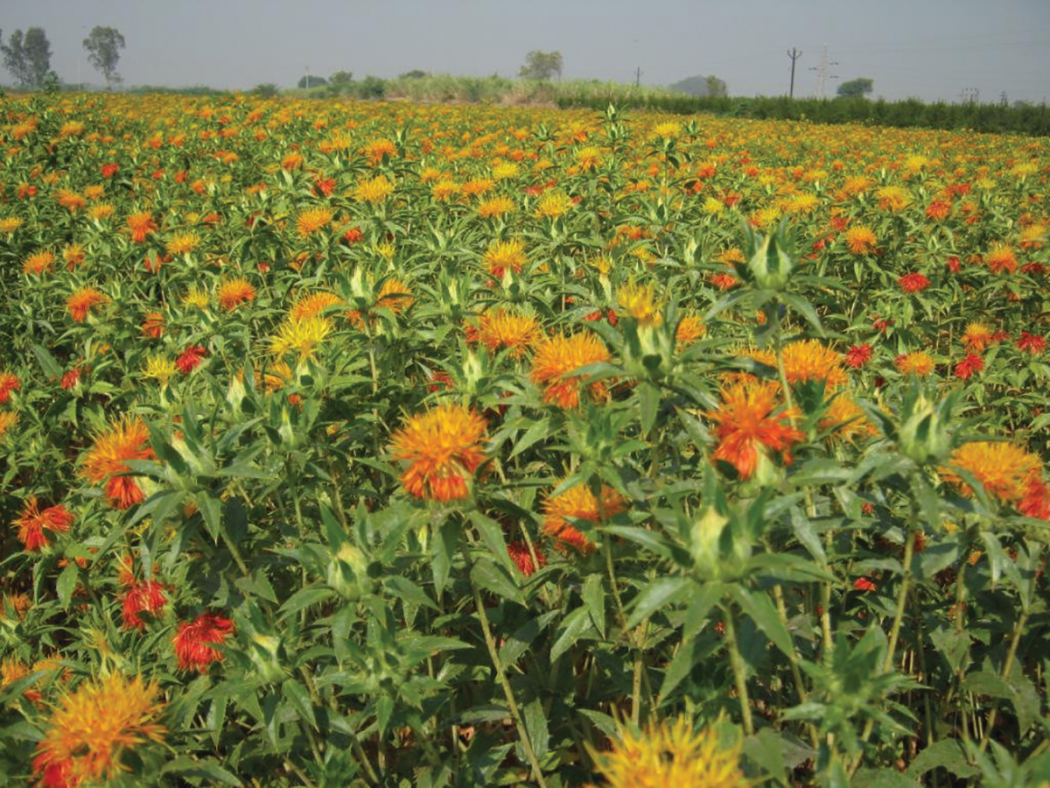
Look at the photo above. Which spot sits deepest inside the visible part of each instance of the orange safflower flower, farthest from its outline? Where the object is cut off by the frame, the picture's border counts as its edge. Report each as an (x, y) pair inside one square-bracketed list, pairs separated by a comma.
[(234, 292), (195, 640), (1005, 470), (8, 419), (845, 419), (580, 503), (502, 329), (183, 243), (32, 522), (126, 439), (395, 296), (747, 424), (916, 363), (313, 304), (92, 729), (502, 255), (861, 240), (496, 207), (691, 330), (8, 382), (74, 255), (82, 301), (142, 596), (71, 200), (141, 224), (38, 262), (443, 448), (153, 325), (558, 357), (374, 191), (312, 220), (806, 361), (978, 336), (1001, 258)]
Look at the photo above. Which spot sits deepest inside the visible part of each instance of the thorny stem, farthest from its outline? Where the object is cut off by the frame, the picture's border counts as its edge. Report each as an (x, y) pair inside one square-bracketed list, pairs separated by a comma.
[(1015, 640), (739, 677), (508, 691)]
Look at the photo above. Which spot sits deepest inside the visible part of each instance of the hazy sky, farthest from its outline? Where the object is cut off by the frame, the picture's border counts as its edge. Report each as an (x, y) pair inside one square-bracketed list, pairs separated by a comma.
[(926, 48)]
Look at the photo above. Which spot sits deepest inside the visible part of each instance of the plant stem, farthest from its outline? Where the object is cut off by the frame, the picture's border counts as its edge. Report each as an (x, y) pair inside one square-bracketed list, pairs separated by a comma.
[(508, 691), (739, 676), (902, 598), (1015, 640)]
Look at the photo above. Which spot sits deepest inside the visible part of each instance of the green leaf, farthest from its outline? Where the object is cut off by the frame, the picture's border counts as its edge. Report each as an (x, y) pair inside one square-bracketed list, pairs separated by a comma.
[(536, 726), (67, 582), (51, 368), (575, 626), (497, 580), (304, 598), (602, 722), (443, 543), (649, 400), (953, 645), (657, 594), (594, 598), (296, 694), (882, 778), (185, 766), (760, 609), (211, 511), (492, 535), (946, 754), (766, 750)]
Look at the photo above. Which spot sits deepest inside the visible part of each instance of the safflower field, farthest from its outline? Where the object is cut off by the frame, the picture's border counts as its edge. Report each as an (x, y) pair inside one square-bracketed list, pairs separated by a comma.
[(390, 444)]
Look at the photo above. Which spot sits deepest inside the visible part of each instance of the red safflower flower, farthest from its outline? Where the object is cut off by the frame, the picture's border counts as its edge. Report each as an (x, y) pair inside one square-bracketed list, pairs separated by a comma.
[(880, 324), (522, 558), (863, 584), (109, 170), (194, 641), (190, 359), (954, 265), (71, 379), (1031, 343), (858, 356), (324, 187), (145, 596), (8, 383), (724, 281), (968, 366), (1036, 502), (913, 283), (353, 235), (32, 522)]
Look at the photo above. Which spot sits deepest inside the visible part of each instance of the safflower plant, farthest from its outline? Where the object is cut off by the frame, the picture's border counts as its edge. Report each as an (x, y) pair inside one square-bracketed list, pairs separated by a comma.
[(381, 444)]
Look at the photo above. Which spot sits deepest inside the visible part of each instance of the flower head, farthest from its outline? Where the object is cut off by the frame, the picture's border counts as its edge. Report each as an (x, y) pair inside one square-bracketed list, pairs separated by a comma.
[(861, 240), (968, 366), (375, 190), (79, 304), (195, 640), (32, 523), (1031, 343), (858, 356), (503, 329), (142, 596), (558, 357), (522, 557), (126, 439), (234, 292), (1001, 259), (671, 756), (183, 243), (1004, 469), (38, 263), (190, 358), (502, 255), (153, 325), (159, 368), (312, 220), (916, 363), (443, 448), (747, 423), (92, 729), (496, 207), (303, 336), (579, 503), (552, 205), (8, 382), (639, 302), (978, 336), (313, 304), (913, 283), (691, 330)]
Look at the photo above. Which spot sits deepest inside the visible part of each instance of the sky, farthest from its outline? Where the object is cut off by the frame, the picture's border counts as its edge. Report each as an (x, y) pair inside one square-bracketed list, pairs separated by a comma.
[(929, 49)]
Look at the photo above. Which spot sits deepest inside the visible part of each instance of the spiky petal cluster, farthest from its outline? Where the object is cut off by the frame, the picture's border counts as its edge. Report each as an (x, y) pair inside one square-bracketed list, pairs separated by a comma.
[(194, 641), (32, 523), (671, 756), (558, 358), (579, 503), (443, 448), (1005, 470), (747, 424), (82, 301), (126, 439), (142, 596), (503, 329), (92, 729), (234, 292)]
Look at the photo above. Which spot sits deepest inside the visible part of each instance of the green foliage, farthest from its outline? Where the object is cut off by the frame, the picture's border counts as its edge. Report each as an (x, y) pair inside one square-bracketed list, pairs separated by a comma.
[(311, 81), (266, 90), (28, 57), (541, 65), (700, 86), (341, 78), (859, 87), (103, 46)]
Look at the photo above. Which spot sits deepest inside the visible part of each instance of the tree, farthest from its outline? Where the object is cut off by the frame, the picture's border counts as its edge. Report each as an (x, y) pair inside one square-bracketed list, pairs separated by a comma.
[(541, 65), (701, 86), (310, 81), (103, 46), (266, 90), (856, 87), (341, 78), (414, 74), (28, 57)]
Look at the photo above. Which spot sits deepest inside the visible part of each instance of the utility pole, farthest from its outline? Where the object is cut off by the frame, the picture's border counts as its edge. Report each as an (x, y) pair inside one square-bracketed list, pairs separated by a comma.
[(794, 54), (824, 72), (638, 77)]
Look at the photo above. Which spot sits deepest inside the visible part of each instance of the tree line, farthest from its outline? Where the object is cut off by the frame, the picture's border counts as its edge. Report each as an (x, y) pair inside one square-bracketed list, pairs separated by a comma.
[(27, 56)]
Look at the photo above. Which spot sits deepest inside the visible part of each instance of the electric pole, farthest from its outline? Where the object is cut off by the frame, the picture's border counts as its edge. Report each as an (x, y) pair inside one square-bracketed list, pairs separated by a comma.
[(824, 72), (638, 77), (794, 54)]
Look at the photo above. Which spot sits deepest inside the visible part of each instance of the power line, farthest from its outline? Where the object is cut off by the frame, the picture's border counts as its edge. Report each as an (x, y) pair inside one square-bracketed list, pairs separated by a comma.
[(824, 72)]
